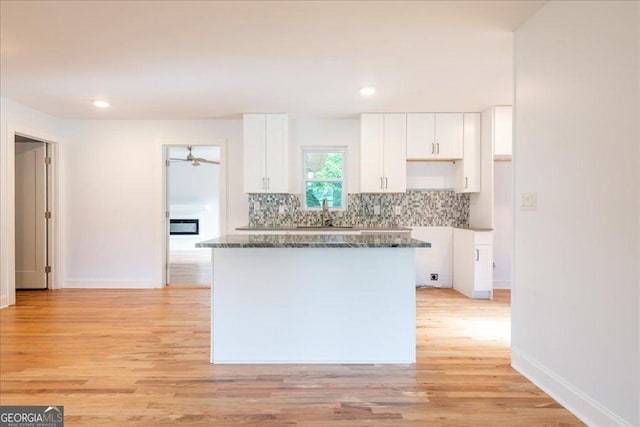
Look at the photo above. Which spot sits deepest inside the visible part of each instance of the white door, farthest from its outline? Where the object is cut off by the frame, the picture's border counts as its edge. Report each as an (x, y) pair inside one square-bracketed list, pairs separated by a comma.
[(254, 153), (371, 153), (277, 153), (31, 224), (395, 153), (420, 136), (449, 135)]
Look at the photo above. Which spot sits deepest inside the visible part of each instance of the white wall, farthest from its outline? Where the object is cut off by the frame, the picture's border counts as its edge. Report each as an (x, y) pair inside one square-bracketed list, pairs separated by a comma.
[(15, 117), (113, 196), (321, 133), (575, 325), (502, 224)]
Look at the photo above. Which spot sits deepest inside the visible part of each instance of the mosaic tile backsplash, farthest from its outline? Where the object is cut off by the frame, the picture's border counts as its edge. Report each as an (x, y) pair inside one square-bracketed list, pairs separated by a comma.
[(418, 209)]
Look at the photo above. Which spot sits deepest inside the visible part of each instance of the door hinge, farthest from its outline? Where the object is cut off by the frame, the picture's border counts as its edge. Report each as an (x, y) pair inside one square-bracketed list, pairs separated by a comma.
[(47, 160), (47, 215), (167, 163), (47, 269), (167, 215)]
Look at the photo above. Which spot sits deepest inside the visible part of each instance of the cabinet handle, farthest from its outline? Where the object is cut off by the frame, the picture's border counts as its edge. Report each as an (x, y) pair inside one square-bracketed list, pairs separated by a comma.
[(381, 183), (386, 182), (438, 148), (466, 182), (268, 183), (477, 255), (264, 185), (433, 148)]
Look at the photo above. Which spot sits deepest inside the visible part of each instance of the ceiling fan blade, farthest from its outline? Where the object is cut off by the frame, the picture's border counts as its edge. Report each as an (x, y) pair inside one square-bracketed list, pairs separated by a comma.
[(178, 160), (201, 160)]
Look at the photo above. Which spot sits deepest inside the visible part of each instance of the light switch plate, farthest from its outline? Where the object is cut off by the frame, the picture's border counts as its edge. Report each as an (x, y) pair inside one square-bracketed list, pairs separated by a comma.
[(256, 206), (376, 210), (528, 201)]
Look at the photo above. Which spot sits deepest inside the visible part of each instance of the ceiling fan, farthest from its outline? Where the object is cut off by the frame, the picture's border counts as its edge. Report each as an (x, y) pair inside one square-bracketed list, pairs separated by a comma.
[(195, 161)]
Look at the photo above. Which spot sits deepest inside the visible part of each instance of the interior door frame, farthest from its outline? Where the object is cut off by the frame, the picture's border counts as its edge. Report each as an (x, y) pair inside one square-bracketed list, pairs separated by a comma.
[(222, 195), (7, 221)]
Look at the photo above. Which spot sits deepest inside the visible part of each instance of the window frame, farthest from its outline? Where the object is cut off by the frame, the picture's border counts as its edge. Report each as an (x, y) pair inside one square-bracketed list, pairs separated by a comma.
[(324, 149)]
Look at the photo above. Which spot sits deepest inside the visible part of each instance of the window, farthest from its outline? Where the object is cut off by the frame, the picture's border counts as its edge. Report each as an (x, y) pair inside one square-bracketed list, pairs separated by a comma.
[(324, 171)]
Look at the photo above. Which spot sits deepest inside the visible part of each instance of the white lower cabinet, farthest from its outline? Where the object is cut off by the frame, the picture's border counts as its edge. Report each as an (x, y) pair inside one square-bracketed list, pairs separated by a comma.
[(473, 262)]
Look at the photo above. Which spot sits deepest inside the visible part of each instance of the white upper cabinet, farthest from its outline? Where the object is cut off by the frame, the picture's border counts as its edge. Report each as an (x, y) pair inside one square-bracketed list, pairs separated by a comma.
[(467, 170), (421, 135), (503, 132), (434, 136), (383, 155), (266, 153)]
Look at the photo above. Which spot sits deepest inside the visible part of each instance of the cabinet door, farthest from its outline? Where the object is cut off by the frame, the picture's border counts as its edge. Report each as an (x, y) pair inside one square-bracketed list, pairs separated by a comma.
[(277, 153), (371, 153), (449, 135), (254, 152), (420, 136), (395, 153), (467, 170), (483, 268), (463, 261)]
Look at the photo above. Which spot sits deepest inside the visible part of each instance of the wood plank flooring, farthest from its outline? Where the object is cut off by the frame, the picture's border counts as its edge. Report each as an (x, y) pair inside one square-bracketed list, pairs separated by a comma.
[(141, 358), (192, 267)]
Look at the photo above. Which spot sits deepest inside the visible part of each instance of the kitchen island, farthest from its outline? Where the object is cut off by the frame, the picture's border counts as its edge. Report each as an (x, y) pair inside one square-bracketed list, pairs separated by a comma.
[(322, 298)]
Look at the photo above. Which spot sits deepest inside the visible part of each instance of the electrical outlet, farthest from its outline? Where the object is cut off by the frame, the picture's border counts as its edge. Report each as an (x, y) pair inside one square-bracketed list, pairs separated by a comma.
[(256, 206), (376, 210), (434, 276), (397, 210), (528, 201), (282, 210)]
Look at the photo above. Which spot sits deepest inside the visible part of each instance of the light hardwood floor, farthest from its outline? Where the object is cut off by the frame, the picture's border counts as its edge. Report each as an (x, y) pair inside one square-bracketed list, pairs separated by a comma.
[(192, 267), (141, 358)]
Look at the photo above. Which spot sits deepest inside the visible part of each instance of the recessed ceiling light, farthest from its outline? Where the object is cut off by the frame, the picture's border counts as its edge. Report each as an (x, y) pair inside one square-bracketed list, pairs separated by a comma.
[(101, 104), (368, 91)]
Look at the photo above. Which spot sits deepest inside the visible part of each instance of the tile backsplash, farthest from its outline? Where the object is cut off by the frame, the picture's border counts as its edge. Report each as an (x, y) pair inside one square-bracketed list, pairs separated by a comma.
[(417, 208)]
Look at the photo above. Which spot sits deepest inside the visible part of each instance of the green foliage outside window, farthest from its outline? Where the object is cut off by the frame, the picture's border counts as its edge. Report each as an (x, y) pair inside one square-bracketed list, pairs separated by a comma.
[(324, 179)]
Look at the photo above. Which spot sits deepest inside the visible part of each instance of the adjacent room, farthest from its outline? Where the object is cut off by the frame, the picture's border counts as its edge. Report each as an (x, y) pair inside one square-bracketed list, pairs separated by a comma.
[(320, 213)]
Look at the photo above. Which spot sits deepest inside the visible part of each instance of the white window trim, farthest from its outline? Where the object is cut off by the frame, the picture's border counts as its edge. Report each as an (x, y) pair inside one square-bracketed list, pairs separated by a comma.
[(325, 149)]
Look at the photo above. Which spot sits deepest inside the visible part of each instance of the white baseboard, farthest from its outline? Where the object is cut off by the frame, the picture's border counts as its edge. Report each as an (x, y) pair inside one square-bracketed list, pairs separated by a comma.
[(91, 283), (573, 399), (502, 284), (4, 301)]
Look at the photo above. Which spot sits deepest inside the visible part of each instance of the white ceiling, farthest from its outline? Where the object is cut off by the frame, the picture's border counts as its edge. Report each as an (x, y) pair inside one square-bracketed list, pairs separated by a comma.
[(199, 60)]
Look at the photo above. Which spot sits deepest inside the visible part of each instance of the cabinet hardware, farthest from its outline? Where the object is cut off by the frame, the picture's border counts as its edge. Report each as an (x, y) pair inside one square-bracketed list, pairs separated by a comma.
[(477, 255), (381, 183), (437, 148), (264, 183), (268, 183), (433, 148), (386, 182), (466, 182)]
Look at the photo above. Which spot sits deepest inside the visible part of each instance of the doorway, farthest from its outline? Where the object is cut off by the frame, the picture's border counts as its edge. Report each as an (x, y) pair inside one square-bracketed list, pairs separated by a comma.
[(193, 211), (32, 213)]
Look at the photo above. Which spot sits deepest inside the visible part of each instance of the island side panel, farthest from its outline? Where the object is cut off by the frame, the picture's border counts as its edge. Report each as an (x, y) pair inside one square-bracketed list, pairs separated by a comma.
[(313, 305)]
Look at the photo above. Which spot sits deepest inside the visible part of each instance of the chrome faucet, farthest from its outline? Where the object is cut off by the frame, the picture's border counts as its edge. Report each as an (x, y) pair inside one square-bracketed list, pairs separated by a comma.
[(326, 220)]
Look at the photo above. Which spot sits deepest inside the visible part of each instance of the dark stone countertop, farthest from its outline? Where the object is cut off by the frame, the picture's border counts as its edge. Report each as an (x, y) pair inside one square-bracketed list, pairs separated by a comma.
[(324, 229), (314, 241)]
